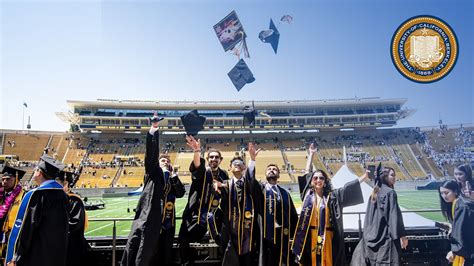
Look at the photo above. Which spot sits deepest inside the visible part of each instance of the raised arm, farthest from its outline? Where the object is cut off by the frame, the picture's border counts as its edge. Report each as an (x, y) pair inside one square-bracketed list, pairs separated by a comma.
[(309, 162), (195, 145), (152, 149)]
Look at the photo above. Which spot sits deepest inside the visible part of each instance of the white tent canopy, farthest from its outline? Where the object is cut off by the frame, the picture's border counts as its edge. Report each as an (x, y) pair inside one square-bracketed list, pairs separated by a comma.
[(345, 175)]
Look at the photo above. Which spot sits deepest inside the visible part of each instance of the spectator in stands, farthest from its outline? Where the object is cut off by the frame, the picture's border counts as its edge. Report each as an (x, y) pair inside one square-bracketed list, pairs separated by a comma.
[(143, 240), (77, 244), (384, 231), (463, 175), (42, 221), (239, 194), (319, 236), (10, 199), (458, 210), (202, 206), (277, 211), (173, 189)]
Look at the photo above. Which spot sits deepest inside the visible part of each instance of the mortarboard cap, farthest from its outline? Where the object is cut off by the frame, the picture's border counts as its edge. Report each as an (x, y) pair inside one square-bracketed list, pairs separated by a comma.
[(193, 122), (249, 115), (50, 166), (240, 75), (12, 172), (271, 36)]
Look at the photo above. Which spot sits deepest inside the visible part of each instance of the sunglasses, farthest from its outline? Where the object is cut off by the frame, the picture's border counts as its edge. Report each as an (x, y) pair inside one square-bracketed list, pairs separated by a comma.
[(319, 177), (214, 157), (238, 163)]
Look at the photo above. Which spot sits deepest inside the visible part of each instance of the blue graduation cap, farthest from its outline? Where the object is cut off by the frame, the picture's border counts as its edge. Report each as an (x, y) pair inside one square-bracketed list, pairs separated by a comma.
[(271, 36), (240, 75)]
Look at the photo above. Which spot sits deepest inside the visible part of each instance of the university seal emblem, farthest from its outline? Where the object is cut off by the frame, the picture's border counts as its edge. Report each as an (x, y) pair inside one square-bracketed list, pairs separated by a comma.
[(424, 49)]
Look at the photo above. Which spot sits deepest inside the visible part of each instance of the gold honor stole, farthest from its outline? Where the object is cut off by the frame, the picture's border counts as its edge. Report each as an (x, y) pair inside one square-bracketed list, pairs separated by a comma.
[(270, 219), (168, 211), (241, 224)]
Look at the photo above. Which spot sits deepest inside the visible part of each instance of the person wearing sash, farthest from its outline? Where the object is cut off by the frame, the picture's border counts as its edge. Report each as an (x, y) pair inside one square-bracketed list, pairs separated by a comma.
[(384, 232), (202, 213), (40, 233), (10, 202), (278, 218), (143, 240), (173, 189), (240, 229), (459, 211), (78, 222), (319, 234)]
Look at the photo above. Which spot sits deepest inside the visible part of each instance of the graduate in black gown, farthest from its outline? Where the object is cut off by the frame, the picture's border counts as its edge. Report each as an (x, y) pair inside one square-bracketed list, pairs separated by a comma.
[(173, 189), (77, 245), (142, 245), (202, 212), (319, 235), (459, 211), (240, 230), (277, 218), (384, 232), (40, 234)]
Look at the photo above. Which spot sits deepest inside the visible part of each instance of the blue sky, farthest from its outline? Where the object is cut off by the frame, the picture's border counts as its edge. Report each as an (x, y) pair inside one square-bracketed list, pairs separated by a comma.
[(52, 51)]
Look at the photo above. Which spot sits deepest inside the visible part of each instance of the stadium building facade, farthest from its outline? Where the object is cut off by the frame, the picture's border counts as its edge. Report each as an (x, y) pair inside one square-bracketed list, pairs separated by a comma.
[(127, 115)]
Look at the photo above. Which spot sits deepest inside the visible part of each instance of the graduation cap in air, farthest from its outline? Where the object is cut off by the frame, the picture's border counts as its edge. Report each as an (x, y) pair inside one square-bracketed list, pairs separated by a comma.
[(12, 172), (271, 36), (193, 122), (241, 75), (50, 166), (249, 115), (155, 118)]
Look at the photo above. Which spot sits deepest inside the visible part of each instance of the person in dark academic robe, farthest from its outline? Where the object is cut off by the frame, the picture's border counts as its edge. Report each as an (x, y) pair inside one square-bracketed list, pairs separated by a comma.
[(142, 245), (277, 219), (173, 189), (240, 238), (77, 245), (319, 235), (202, 212), (384, 232), (40, 233), (459, 211)]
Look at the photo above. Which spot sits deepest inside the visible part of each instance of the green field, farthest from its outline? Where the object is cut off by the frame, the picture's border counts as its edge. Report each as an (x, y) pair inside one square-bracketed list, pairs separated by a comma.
[(117, 208)]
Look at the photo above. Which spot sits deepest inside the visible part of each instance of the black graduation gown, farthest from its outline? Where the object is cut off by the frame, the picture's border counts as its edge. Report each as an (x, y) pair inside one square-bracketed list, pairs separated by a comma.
[(231, 257), (349, 195), (142, 244), (77, 245), (190, 230), (43, 239), (269, 253), (177, 189), (383, 227), (462, 235)]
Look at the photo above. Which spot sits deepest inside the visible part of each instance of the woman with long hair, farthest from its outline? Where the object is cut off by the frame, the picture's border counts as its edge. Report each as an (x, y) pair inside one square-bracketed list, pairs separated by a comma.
[(463, 175), (384, 232), (319, 235), (459, 211)]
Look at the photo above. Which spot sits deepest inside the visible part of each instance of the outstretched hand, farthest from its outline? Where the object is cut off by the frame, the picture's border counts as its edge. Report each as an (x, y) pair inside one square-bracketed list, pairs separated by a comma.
[(192, 143), (253, 151), (312, 148), (364, 177)]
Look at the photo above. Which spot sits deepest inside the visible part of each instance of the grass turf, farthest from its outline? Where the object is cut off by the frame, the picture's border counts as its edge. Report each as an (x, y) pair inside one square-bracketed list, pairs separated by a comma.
[(117, 208)]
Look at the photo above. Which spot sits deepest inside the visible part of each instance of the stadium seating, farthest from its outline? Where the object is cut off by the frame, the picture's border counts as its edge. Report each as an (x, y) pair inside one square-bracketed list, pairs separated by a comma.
[(28, 147)]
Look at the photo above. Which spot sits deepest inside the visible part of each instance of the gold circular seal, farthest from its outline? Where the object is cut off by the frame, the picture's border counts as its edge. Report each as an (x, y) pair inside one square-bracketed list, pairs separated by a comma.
[(285, 231), (248, 214), (169, 206), (424, 49), (215, 203)]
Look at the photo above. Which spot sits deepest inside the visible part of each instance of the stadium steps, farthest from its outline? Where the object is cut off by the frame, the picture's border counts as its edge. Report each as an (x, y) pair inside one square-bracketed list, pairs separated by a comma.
[(425, 162), (2, 143)]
